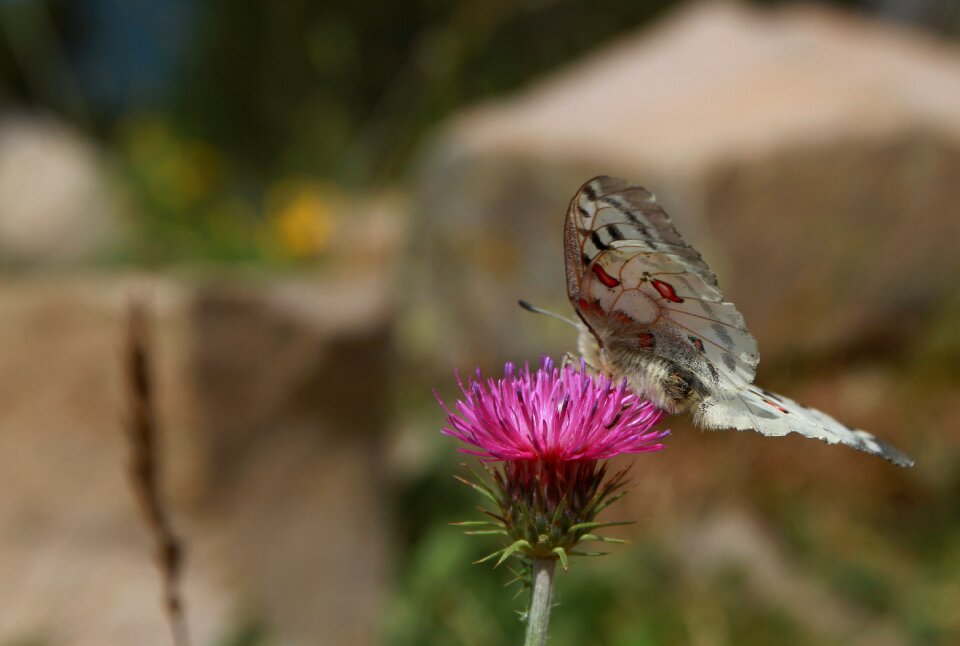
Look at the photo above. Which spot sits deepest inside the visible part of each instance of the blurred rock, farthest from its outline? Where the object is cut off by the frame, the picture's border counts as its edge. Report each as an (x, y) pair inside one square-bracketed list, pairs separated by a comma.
[(291, 390), (731, 539), (56, 204), (271, 403), (810, 155)]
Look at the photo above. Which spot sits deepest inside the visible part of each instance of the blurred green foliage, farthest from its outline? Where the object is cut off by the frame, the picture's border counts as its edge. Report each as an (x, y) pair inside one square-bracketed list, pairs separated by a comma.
[(205, 105)]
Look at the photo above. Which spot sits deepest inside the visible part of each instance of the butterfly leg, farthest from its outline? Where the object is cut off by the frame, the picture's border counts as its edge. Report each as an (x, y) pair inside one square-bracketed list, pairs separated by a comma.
[(571, 361)]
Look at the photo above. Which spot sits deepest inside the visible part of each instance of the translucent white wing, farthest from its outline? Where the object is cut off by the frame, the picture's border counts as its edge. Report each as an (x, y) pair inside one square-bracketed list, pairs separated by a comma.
[(629, 273), (607, 209), (776, 415)]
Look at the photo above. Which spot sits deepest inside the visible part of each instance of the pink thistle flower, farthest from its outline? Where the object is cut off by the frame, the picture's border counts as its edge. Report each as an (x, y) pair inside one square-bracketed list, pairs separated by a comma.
[(549, 430), (551, 415)]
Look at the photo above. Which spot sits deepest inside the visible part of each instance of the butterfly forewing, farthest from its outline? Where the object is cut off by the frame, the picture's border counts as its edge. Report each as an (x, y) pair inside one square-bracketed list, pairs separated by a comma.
[(630, 273)]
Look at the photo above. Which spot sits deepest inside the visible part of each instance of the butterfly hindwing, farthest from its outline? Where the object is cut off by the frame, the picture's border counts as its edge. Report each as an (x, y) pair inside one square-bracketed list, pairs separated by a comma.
[(777, 415)]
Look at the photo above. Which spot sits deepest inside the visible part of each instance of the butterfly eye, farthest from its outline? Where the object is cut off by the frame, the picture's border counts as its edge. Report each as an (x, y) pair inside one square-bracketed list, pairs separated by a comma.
[(678, 386)]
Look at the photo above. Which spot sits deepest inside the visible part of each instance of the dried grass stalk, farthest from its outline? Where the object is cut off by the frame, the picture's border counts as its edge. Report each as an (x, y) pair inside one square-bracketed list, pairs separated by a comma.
[(142, 435)]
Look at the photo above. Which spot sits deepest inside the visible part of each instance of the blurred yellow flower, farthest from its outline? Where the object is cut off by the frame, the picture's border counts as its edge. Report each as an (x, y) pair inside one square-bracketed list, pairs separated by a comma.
[(302, 218), (178, 172)]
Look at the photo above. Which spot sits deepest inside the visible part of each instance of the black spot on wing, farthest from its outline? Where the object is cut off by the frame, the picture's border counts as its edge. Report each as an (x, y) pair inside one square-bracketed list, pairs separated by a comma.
[(637, 222), (729, 362), (600, 244), (722, 334), (771, 395), (616, 201)]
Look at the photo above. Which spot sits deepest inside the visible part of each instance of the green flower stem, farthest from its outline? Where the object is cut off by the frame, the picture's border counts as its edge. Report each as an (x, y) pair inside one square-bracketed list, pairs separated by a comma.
[(541, 601)]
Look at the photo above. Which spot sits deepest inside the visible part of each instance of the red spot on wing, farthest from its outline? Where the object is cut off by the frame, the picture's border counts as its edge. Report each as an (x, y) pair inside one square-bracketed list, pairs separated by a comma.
[(777, 406), (586, 306), (697, 343), (604, 277), (646, 340), (667, 291)]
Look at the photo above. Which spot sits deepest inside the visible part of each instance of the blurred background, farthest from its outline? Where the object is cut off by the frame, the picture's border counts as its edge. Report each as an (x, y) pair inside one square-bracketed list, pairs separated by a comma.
[(331, 206)]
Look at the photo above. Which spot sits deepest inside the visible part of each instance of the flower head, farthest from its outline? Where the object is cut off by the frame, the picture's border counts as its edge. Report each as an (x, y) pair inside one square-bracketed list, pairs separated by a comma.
[(552, 414), (549, 430)]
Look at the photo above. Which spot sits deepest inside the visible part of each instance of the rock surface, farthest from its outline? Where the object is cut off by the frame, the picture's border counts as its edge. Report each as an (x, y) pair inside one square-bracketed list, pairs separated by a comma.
[(811, 156), (270, 399)]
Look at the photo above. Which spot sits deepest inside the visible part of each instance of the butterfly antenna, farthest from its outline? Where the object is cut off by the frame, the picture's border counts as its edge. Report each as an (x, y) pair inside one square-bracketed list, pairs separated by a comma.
[(536, 310)]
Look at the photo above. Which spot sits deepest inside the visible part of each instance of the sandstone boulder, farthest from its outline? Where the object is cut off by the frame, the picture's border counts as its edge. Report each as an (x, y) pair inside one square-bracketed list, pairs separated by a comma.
[(270, 397), (812, 156)]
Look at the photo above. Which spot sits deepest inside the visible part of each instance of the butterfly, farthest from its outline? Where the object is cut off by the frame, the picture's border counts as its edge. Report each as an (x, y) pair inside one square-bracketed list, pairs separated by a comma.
[(650, 312)]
